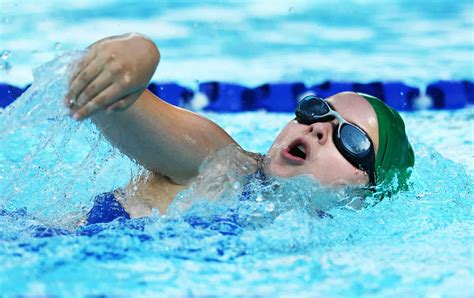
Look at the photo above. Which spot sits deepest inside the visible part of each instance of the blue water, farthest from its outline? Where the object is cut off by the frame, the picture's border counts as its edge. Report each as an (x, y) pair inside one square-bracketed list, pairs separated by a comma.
[(254, 42), (418, 243)]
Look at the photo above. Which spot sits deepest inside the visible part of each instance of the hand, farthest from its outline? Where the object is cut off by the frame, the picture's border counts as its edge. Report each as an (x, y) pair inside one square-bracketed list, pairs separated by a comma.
[(112, 75)]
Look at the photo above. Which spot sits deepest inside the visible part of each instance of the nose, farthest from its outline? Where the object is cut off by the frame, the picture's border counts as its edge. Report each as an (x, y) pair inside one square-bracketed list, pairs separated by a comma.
[(321, 130)]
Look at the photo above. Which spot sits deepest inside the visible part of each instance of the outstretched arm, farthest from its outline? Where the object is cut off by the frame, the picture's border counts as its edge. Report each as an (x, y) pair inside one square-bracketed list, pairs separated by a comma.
[(163, 138), (110, 87)]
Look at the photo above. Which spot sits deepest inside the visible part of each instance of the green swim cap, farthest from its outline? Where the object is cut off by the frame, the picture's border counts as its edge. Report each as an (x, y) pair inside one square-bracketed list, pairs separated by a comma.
[(395, 155)]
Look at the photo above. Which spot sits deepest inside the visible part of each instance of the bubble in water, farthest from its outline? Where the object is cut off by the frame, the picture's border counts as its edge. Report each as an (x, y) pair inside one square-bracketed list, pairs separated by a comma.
[(270, 207), (420, 195), (5, 55), (57, 45), (291, 9), (259, 198), (236, 185), (4, 64)]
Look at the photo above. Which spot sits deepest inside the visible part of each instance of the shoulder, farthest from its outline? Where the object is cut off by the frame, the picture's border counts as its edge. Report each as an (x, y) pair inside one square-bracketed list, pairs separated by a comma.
[(231, 158), (150, 191)]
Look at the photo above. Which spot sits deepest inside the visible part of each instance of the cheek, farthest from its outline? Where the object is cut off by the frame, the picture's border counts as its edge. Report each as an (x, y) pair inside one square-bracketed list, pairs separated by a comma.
[(281, 140), (331, 168)]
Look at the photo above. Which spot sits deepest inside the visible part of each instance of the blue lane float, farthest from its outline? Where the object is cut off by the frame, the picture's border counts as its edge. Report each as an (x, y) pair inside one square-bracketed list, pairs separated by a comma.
[(329, 88), (469, 87), (400, 96), (223, 97), (449, 94), (283, 96), (395, 94), (175, 94), (374, 89), (277, 97)]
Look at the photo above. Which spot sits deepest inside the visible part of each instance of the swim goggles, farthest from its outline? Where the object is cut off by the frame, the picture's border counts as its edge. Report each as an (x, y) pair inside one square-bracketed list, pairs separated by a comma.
[(351, 141)]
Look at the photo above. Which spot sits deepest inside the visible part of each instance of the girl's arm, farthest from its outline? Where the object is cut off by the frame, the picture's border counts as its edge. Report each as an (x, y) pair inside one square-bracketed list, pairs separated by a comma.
[(163, 138), (109, 86)]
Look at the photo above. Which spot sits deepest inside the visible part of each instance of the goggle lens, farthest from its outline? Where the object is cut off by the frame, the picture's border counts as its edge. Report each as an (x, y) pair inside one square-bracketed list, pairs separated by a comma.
[(354, 140), (353, 143), (314, 106)]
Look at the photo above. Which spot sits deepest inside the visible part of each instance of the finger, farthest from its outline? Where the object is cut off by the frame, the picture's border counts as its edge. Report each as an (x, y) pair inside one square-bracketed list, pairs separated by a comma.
[(89, 73), (99, 84), (124, 103), (100, 101), (85, 60)]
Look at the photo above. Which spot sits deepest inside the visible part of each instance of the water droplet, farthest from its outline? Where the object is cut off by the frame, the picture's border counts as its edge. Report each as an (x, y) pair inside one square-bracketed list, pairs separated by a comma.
[(236, 185), (291, 9), (270, 207), (5, 65), (57, 45), (6, 55)]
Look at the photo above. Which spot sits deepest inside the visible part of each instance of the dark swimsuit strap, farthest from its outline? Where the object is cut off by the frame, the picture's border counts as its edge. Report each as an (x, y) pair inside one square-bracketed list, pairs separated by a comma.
[(260, 173)]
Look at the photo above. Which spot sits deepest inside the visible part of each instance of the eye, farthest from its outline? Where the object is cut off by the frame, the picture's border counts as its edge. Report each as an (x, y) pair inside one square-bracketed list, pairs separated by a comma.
[(354, 140)]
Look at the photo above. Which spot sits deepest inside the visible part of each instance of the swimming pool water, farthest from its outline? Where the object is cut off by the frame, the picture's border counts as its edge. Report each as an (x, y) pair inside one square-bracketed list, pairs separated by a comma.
[(255, 42), (418, 243)]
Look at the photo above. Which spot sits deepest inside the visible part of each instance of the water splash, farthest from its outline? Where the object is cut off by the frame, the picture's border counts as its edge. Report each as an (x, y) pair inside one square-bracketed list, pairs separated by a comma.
[(45, 153), (4, 63), (415, 242), (5, 55)]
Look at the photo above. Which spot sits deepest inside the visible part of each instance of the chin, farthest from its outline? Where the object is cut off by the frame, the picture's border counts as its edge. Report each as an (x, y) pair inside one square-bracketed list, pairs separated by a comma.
[(279, 170)]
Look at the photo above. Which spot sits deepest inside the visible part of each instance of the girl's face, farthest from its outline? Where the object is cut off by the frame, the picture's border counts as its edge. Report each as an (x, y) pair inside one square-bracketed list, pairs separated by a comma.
[(323, 161)]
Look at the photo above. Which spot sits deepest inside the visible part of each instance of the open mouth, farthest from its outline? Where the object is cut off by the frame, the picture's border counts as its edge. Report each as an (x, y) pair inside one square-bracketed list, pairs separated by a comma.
[(298, 150)]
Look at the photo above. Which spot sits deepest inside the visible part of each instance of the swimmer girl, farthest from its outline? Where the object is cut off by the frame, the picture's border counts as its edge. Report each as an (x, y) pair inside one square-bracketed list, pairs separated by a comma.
[(347, 140)]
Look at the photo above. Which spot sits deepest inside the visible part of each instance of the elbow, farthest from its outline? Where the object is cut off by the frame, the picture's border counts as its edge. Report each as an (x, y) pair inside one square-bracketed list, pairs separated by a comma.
[(151, 47)]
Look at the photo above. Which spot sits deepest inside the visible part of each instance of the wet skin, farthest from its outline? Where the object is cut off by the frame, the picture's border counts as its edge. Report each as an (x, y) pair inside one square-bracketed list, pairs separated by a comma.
[(323, 161), (109, 87)]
